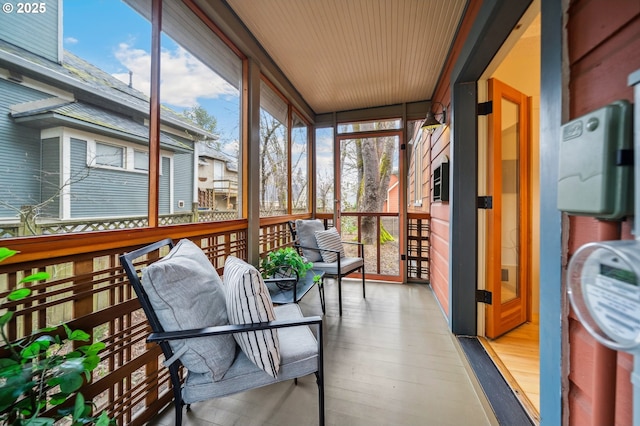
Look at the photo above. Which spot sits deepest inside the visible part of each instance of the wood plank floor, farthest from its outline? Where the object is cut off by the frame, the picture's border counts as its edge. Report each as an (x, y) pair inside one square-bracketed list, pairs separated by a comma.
[(517, 356), (389, 360)]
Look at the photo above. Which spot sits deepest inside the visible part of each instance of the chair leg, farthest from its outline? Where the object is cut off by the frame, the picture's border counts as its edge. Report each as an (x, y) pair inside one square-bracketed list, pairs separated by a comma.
[(364, 295), (320, 376), (321, 293), (177, 395), (340, 294), (320, 383), (178, 413)]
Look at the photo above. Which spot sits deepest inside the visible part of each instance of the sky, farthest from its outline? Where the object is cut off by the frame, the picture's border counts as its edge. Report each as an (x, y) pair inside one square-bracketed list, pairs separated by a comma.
[(115, 38)]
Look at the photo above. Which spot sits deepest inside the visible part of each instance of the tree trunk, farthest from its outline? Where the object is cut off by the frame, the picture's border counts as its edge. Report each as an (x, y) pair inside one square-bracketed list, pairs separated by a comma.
[(370, 199)]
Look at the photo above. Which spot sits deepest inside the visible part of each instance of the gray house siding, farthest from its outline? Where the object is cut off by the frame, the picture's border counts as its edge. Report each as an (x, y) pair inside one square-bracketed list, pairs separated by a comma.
[(165, 184), (98, 192), (20, 159), (50, 177), (18, 28), (183, 181)]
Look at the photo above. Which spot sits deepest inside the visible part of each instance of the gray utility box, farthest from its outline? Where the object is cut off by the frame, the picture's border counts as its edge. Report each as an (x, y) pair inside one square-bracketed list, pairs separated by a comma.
[(595, 171)]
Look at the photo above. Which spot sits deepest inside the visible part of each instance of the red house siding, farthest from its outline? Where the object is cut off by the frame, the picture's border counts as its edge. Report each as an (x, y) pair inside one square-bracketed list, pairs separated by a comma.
[(603, 49), (392, 203)]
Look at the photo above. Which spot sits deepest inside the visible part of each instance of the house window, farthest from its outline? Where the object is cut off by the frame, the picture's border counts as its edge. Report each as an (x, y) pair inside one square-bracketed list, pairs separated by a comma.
[(141, 160), (417, 172), (218, 174), (109, 155)]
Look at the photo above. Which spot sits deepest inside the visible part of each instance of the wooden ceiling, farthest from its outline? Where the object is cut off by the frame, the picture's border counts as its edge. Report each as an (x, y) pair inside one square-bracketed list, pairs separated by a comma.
[(350, 54)]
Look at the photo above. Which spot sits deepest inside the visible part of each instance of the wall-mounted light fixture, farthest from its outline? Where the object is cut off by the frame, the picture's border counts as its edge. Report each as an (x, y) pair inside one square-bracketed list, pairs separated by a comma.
[(431, 122)]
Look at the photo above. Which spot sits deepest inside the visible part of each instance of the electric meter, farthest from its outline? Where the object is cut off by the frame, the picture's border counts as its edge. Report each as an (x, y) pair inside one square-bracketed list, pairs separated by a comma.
[(604, 289)]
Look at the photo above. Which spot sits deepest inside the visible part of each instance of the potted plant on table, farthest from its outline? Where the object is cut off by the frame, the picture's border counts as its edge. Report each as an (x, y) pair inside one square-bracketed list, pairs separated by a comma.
[(40, 372), (284, 262)]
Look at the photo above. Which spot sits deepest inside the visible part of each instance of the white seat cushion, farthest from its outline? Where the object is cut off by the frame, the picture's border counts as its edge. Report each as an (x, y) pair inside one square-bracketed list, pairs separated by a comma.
[(298, 350)]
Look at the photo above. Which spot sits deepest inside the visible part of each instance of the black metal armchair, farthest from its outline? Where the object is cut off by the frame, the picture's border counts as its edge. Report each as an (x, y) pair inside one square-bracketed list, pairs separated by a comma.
[(299, 352), (323, 247)]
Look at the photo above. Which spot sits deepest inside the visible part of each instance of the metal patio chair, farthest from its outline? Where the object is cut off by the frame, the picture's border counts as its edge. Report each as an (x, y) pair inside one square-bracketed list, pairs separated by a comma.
[(299, 350), (324, 249)]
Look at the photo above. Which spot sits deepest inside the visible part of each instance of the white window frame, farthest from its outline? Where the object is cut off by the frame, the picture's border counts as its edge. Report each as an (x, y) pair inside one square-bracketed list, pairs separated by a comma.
[(141, 152), (117, 149), (129, 147)]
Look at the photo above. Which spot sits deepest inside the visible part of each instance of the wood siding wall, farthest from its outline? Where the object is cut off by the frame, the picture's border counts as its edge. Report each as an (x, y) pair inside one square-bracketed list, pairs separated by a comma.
[(17, 27), (183, 181), (440, 144), (20, 151), (101, 192), (603, 45)]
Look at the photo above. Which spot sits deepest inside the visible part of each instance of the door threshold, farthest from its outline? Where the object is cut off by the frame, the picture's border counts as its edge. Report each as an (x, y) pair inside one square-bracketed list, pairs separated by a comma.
[(505, 404), (526, 403)]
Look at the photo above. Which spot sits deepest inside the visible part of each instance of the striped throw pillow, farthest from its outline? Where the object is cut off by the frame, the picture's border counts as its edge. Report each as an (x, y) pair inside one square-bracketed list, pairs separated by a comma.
[(329, 240), (248, 301)]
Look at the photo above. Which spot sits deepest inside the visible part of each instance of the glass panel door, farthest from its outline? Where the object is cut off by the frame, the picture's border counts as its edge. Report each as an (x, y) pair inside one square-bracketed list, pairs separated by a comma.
[(508, 221), (510, 196), (369, 200)]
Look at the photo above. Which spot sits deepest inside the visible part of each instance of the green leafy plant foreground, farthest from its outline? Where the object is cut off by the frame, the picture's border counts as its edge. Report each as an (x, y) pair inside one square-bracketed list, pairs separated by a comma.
[(40, 375)]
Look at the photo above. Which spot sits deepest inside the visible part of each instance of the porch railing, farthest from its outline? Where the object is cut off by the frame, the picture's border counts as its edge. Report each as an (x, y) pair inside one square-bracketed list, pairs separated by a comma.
[(54, 227), (383, 257)]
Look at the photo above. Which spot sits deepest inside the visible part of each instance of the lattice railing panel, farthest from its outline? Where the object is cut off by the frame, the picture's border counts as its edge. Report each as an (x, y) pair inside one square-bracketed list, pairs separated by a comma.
[(418, 247), (274, 236)]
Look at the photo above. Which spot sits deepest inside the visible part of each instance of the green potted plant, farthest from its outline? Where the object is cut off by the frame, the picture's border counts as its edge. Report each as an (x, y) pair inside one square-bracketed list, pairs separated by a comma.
[(41, 371), (283, 263)]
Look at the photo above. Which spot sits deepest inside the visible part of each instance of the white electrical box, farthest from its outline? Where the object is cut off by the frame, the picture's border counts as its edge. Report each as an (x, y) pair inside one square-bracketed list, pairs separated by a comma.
[(595, 171)]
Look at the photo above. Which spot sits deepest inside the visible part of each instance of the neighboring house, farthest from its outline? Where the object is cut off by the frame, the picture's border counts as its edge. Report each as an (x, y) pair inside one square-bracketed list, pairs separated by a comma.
[(217, 180), (75, 139), (392, 203)]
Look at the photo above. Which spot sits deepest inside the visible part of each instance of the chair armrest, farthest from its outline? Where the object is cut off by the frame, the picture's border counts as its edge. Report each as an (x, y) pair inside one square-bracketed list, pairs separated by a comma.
[(279, 280), (232, 329)]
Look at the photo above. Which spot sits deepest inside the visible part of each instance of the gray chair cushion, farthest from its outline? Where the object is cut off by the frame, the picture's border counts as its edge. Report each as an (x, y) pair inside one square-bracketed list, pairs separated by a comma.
[(299, 357), (306, 231), (186, 293), (248, 301), (347, 264), (329, 240)]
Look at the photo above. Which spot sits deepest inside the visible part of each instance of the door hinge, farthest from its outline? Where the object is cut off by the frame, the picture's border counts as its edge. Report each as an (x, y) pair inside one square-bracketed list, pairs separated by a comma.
[(483, 296), (624, 157), (485, 108), (485, 202), (403, 257), (403, 147)]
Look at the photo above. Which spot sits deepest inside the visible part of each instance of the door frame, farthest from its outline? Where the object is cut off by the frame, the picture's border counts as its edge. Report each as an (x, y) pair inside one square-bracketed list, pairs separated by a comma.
[(491, 27)]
